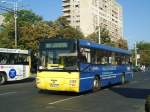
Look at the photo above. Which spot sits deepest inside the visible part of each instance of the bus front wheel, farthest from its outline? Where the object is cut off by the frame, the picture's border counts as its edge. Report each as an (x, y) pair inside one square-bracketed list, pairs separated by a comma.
[(2, 78), (96, 84)]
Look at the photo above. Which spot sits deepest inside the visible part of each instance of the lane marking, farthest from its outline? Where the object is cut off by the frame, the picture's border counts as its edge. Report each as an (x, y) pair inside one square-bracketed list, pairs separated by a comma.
[(67, 99), (8, 93)]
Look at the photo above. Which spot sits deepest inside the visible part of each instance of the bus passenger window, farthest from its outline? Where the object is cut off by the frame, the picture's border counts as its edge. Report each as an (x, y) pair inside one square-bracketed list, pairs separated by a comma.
[(110, 60), (99, 60), (84, 55), (83, 58), (93, 56), (104, 60)]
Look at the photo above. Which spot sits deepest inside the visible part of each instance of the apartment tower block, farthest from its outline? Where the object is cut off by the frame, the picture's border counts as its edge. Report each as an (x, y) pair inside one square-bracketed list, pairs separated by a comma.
[(88, 15)]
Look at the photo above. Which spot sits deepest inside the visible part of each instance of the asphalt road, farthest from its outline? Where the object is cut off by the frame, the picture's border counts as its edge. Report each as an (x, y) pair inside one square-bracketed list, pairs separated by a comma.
[(24, 97)]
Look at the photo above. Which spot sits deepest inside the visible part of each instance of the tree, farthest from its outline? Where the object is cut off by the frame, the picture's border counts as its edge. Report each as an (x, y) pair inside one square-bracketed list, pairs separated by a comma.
[(7, 36), (144, 51), (31, 29), (60, 28), (26, 18), (30, 35), (122, 44), (65, 30), (105, 37)]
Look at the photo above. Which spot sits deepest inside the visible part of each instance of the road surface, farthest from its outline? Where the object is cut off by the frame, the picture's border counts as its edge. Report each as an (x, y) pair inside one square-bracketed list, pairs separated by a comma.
[(24, 97)]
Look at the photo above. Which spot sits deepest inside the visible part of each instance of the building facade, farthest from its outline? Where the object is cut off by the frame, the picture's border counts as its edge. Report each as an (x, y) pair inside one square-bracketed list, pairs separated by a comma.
[(88, 15)]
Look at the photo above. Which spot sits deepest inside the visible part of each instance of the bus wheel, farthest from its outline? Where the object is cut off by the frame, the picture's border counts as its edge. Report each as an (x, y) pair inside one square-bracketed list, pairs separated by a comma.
[(123, 79), (2, 78), (96, 84)]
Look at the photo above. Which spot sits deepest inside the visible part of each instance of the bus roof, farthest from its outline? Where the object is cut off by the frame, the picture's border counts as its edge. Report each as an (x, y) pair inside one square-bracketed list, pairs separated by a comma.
[(90, 44), (15, 51)]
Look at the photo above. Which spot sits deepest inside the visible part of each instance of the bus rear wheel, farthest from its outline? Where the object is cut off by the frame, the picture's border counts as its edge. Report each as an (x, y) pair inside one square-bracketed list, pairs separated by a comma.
[(2, 78), (96, 84)]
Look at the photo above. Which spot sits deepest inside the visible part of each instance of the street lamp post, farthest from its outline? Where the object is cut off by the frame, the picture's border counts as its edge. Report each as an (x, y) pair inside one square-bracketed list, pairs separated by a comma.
[(99, 27), (135, 55), (99, 31), (15, 5), (15, 17)]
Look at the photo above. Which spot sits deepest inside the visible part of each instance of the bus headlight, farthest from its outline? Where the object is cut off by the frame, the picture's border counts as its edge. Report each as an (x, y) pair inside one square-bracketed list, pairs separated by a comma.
[(41, 67)]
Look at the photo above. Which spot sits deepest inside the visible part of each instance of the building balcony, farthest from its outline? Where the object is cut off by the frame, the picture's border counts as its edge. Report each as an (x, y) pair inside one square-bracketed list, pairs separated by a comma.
[(65, 0), (66, 14), (66, 9), (67, 4)]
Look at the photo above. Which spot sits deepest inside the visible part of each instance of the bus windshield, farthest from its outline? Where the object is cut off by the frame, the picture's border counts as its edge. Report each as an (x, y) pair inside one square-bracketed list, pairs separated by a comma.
[(54, 57)]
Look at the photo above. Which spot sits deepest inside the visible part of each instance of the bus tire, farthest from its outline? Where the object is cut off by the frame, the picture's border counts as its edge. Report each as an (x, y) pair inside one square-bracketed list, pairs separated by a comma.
[(3, 78), (123, 79), (96, 84)]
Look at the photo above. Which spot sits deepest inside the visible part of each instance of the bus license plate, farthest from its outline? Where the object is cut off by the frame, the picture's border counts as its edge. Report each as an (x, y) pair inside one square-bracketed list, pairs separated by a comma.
[(54, 85)]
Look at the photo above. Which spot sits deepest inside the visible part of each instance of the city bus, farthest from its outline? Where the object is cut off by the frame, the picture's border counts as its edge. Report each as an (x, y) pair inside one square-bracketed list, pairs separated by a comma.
[(80, 65), (14, 64)]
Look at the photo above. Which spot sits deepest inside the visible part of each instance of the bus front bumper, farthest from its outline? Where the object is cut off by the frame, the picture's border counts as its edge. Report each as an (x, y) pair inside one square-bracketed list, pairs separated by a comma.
[(58, 81), (58, 84)]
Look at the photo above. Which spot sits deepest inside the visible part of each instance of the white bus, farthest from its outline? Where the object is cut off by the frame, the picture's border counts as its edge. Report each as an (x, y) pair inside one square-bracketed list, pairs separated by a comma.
[(14, 64)]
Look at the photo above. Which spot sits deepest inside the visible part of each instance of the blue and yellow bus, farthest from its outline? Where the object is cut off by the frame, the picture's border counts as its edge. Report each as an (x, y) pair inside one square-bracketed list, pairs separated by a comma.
[(80, 65)]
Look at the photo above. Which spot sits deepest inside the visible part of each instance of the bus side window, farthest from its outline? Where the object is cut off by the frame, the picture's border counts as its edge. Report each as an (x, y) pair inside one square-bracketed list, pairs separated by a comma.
[(3, 61), (101, 57), (85, 55), (81, 55), (124, 60), (119, 60), (103, 60), (93, 56), (110, 60), (83, 58)]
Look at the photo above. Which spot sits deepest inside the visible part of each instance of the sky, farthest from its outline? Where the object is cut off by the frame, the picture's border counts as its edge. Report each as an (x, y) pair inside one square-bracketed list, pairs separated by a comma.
[(136, 20), (136, 16)]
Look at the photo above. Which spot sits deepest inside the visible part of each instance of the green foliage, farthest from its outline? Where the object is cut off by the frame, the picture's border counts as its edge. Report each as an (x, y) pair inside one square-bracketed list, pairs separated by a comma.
[(93, 37), (144, 51), (24, 16), (7, 36), (31, 28), (122, 44), (28, 16), (105, 37), (30, 35), (65, 30)]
